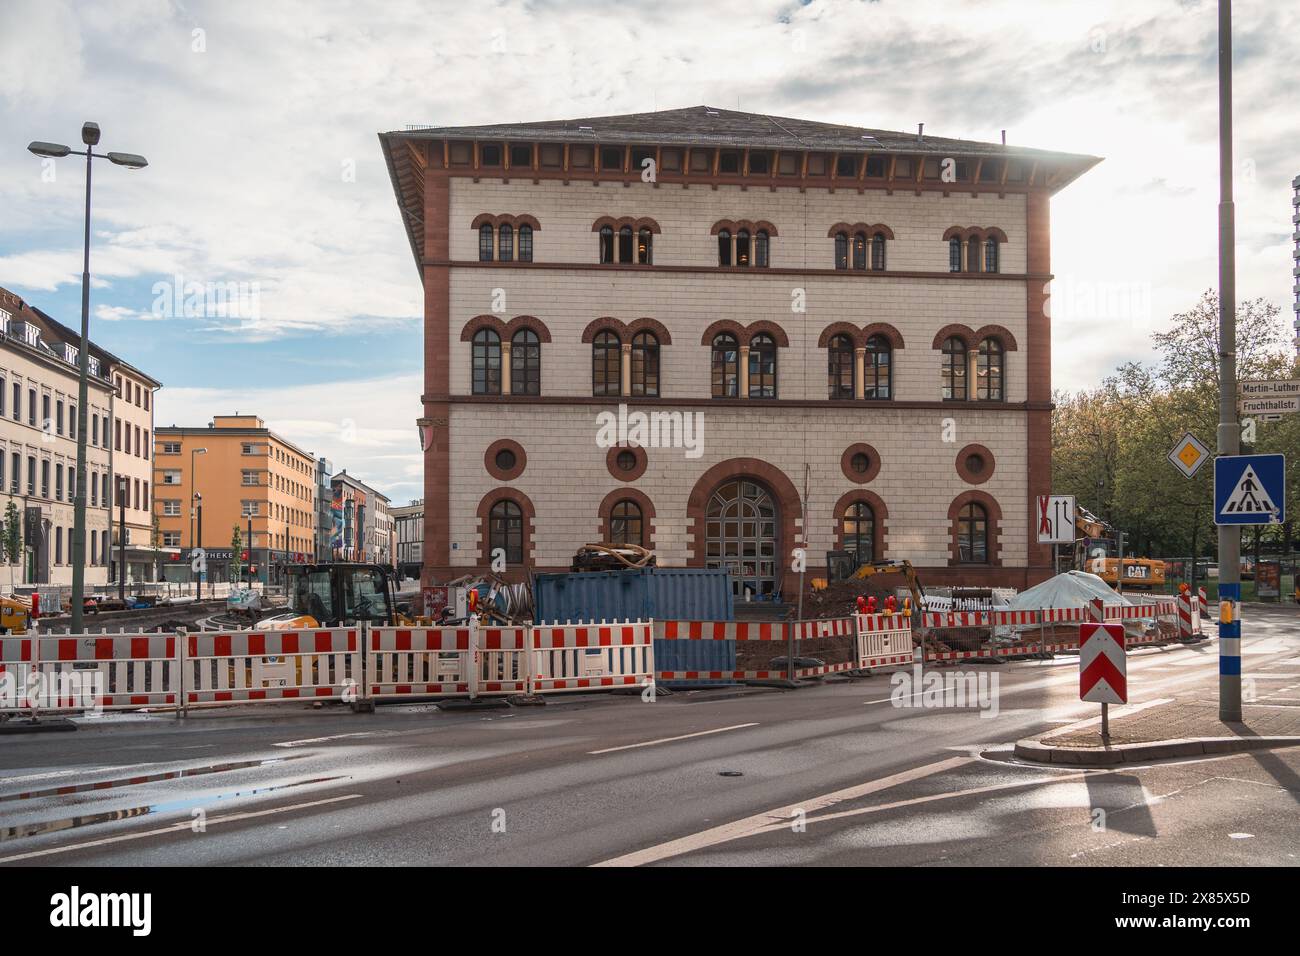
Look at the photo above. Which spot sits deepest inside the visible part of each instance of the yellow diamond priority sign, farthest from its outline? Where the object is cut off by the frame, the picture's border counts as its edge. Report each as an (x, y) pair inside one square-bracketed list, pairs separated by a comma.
[(1189, 455)]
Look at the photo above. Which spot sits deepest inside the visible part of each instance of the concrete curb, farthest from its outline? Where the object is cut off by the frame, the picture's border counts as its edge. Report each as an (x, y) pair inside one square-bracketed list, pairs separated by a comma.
[(1039, 752)]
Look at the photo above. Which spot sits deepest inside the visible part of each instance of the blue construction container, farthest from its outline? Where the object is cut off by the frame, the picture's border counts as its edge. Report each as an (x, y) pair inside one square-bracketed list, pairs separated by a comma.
[(662, 594)]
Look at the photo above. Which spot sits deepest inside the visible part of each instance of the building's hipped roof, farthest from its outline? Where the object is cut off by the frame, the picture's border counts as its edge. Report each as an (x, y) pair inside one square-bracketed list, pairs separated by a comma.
[(713, 126)]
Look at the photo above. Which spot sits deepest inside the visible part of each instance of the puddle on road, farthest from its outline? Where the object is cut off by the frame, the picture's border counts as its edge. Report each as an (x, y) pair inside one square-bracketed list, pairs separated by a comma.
[(167, 806), (145, 778)]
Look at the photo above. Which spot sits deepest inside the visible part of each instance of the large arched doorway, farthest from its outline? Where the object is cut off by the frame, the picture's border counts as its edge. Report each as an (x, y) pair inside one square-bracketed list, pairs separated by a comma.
[(741, 536)]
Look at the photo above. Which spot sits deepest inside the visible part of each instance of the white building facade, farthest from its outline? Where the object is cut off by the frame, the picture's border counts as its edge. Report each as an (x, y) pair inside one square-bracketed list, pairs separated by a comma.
[(851, 322)]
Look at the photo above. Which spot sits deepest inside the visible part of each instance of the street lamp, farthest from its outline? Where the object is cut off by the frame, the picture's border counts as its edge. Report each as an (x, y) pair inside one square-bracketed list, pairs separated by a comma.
[(193, 495), (203, 566), (90, 138)]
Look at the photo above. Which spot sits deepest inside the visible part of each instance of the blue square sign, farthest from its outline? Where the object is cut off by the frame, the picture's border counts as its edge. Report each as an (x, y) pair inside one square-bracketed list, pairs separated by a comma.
[(1250, 489)]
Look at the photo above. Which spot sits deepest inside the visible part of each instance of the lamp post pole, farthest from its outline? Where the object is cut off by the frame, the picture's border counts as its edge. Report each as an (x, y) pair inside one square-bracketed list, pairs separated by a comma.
[(1229, 431), (203, 566), (90, 138), (121, 537)]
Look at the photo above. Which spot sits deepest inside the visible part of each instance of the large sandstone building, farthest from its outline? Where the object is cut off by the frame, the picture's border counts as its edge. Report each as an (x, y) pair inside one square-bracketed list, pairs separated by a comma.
[(857, 316)]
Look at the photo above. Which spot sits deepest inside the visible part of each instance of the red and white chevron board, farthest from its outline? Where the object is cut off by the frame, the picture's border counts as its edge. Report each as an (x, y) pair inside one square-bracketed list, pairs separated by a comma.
[(1103, 666)]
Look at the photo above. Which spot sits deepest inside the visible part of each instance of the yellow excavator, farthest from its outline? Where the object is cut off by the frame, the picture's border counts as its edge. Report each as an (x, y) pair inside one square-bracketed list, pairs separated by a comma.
[(1097, 551), (339, 595), (15, 616), (904, 568)]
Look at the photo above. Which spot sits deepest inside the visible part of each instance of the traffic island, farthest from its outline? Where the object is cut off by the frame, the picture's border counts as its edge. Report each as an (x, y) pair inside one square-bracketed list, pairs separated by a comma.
[(1174, 729), (32, 725)]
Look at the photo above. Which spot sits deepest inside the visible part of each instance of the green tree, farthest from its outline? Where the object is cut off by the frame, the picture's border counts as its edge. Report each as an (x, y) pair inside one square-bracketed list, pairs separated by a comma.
[(236, 555), (12, 539)]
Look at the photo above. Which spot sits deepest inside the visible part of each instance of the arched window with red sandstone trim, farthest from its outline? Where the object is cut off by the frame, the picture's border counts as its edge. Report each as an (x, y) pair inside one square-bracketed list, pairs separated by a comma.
[(625, 244), (525, 363), (485, 243), (606, 365), (990, 254), (762, 246), (506, 242), (525, 243), (973, 534), (954, 255), (506, 531), (486, 372), (859, 534), (724, 247), (726, 366), (645, 365), (841, 250), (878, 252), (860, 250), (762, 366), (840, 367), (606, 244), (878, 369), (742, 247), (990, 371), (645, 247), (626, 523), (954, 369)]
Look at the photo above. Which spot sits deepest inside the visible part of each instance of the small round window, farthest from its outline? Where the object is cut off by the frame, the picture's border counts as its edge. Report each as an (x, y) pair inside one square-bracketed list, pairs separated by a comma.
[(505, 459), (975, 464), (626, 461), (860, 462)]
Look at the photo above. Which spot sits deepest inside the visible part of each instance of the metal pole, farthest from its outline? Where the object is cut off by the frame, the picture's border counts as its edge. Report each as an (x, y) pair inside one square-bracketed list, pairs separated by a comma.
[(203, 565), (250, 552), (83, 390), (1229, 434), (121, 534), (1105, 721)]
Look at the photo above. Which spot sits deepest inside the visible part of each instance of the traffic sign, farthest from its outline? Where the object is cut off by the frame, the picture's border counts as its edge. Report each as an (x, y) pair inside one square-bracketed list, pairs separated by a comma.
[(1056, 519), (1250, 489), (1189, 454), (1279, 389), (1268, 405), (1103, 665)]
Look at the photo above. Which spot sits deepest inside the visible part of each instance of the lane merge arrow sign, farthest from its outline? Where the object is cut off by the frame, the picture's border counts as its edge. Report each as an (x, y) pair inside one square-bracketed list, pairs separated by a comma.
[(1103, 665)]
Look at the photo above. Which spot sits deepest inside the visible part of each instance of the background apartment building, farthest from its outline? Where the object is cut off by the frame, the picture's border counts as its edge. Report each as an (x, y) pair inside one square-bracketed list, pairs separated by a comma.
[(38, 445), (408, 537), (363, 527), (133, 404), (858, 316), (247, 476)]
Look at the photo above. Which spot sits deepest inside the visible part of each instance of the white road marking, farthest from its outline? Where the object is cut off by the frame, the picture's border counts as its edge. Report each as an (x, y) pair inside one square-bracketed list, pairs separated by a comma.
[(69, 773), (667, 740), (779, 817), (318, 740), (176, 827)]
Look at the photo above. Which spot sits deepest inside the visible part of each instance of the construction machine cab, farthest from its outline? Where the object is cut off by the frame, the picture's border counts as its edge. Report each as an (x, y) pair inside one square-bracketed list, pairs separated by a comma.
[(343, 594)]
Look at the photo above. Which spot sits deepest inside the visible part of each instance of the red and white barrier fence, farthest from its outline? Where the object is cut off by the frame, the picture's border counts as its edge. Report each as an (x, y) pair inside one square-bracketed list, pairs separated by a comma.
[(238, 666)]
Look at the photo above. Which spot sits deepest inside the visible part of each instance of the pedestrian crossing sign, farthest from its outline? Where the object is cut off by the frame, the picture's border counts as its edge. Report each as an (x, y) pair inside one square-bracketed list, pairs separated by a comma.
[(1250, 489)]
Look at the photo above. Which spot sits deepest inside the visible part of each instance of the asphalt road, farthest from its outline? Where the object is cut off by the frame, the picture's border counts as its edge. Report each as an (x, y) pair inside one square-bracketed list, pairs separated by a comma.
[(829, 774)]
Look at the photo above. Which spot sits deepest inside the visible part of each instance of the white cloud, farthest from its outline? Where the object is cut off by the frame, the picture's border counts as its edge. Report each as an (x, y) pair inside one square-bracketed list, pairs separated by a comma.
[(365, 427)]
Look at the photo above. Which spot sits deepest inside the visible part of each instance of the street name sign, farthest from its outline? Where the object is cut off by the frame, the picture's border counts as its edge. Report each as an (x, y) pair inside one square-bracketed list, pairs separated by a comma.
[(1189, 454), (1250, 489), (1056, 519), (1103, 665), (1287, 389), (1268, 405)]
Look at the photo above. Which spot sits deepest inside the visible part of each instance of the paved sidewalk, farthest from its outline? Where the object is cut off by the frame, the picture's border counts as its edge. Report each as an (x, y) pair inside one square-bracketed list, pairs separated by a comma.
[(1173, 728)]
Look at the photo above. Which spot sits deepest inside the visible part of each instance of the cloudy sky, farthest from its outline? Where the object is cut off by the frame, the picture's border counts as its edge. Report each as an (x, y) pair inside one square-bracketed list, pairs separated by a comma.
[(259, 120)]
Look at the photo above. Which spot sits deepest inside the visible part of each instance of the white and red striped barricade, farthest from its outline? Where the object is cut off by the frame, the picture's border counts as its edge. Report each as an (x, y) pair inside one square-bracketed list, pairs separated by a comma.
[(501, 659), (1185, 631), (591, 656), (768, 631), (87, 672), (1204, 601), (883, 640), (224, 667), (942, 619), (720, 630), (404, 662), (825, 627)]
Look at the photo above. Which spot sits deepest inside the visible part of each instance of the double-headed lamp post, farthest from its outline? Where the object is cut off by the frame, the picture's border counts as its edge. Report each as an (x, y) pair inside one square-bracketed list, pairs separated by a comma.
[(89, 137)]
